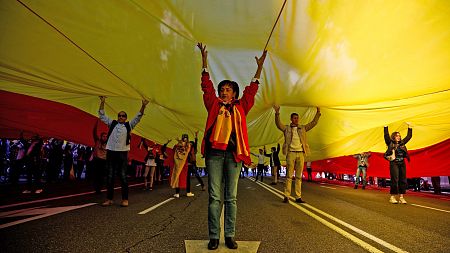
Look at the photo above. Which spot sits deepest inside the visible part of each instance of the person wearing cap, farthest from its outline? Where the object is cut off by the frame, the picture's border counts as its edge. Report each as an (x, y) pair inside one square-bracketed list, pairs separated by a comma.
[(225, 146)]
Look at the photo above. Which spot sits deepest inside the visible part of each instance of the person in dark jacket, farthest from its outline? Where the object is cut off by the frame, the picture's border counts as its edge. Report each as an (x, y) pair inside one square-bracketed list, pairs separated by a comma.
[(192, 166), (274, 162), (396, 154)]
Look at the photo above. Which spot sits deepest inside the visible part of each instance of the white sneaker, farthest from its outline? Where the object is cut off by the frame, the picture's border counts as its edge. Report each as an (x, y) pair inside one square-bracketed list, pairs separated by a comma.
[(26, 192), (190, 194), (402, 200), (393, 200), (39, 191), (176, 195)]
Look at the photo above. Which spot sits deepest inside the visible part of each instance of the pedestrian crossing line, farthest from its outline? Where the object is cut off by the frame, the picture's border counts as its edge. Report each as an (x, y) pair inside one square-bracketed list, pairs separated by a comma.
[(156, 206), (432, 208), (344, 233)]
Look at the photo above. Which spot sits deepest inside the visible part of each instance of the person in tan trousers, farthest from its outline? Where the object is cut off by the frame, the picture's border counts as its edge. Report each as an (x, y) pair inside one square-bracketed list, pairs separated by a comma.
[(295, 148)]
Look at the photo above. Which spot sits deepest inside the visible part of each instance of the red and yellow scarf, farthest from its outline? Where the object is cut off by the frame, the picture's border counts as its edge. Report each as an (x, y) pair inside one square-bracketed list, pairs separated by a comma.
[(224, 127)]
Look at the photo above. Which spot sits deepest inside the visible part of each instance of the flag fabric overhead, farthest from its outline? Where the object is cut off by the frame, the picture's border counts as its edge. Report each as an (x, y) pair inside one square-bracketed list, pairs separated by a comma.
[(366, 64)]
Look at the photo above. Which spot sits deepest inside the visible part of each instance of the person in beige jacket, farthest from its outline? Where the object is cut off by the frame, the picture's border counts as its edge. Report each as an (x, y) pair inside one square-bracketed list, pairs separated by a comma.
[(296, 149)]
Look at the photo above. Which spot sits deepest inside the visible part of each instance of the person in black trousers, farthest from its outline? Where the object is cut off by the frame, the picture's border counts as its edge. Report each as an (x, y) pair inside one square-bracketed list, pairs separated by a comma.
[(192, 166), (396, 154), (274, 162), (117, 148)]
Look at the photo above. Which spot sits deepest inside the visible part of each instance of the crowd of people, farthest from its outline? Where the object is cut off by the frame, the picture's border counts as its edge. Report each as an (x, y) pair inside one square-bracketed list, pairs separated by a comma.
[(44, 160)]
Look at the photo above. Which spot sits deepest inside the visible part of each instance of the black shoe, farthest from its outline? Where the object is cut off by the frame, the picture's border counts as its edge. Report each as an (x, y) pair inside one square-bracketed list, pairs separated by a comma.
[(273, 183), (213, 244), (356, 186), (299, 200), (285, 200), (231, 243)]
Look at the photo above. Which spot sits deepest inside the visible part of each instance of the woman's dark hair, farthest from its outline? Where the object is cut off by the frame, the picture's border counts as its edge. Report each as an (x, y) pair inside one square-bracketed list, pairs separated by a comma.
[(232, 84), (395, 134)]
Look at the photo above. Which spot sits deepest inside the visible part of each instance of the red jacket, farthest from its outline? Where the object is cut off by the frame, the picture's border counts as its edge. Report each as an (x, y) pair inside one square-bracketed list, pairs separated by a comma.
[(212, 104)]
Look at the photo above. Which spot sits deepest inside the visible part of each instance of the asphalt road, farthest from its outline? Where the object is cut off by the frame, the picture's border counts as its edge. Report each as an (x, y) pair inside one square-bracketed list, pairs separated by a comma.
[(335, 218)]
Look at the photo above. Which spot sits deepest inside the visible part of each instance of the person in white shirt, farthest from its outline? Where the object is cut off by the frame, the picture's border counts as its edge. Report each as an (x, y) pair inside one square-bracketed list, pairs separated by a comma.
[(260, 167), (295, 148), (117, 147)]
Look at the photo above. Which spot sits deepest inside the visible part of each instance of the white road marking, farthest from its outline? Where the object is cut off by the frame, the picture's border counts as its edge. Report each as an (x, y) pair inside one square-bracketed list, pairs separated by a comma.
[(356, 240), (328, 187), (343, 186), (437, 209), (60, 197), (156, 206), (45, 212)]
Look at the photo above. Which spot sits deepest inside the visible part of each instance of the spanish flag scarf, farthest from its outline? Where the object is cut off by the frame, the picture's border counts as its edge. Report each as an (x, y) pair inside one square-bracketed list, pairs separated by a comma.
[(224, 126)]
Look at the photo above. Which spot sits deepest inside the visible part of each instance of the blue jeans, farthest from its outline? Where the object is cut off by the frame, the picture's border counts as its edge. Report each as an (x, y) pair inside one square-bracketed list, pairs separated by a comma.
[(358, 171), (222, 168)]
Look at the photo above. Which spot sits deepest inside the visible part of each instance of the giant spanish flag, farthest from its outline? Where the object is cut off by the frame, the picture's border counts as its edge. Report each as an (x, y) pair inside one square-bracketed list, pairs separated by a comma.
[(366, 64)]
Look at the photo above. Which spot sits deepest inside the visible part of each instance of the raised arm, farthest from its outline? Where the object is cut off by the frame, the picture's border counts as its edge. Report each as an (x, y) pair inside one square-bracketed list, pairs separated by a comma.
[(277, 118), (204, 55), (387, 138), (139, 115), (409, 135), (144, 143), (260, 63), (265, 153), (248, 96), (196, 141), (101, 112), (209, 93), (314, 122), (164, 147), (144, 104), (94, 132)]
